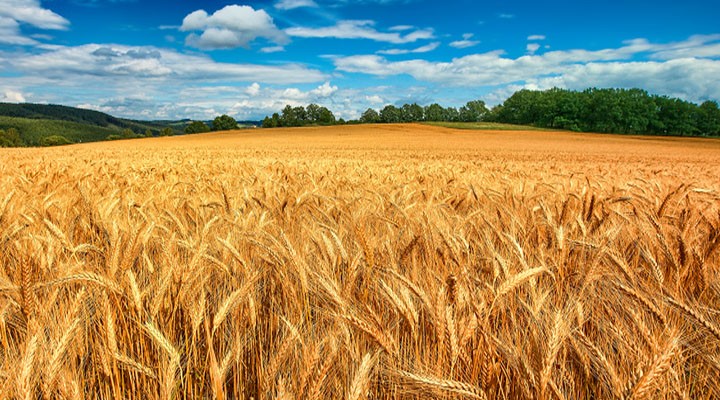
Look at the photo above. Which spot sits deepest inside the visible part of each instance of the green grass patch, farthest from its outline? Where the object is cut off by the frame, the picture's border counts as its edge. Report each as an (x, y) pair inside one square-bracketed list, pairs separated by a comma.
[(487, 126)]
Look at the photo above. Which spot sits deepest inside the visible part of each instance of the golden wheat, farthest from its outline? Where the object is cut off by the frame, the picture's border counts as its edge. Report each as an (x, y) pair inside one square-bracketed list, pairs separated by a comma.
[(383, 262)]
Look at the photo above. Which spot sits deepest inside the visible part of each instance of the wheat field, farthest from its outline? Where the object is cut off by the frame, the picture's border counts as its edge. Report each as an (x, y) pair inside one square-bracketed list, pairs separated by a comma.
[(366, 262)]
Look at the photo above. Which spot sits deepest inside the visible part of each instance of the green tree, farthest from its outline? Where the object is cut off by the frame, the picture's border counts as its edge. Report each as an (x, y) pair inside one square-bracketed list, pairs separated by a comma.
[(370, 116), (10, 138), (148, 133), (412, 113), (390, 114), (224, 123), (267, 123), (197, 127), (473, 111), (709, 119), (300, 116), (325, 117), (128, 133), (451, 114), (313, 113), (288, 117), (55, 140), (434, 112), (166, 131), (678, 117)]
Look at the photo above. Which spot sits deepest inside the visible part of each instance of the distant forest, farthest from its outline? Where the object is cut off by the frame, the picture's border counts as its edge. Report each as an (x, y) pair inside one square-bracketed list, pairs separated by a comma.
[(623, 111)]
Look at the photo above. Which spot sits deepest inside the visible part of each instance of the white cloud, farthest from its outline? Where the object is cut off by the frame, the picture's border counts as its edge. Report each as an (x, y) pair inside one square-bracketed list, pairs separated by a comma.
[(506, 16), (701, 46), (465, 42), (12, 96), (121, 65), (253, 90), (532, 48), (324, 90), (400, 28), (693, 78), (293, 4), (272, 49), (15, 13), (30, 12), (149, 82), (375, 99), (356, 29), (536, 37), (422, 49), (231, 27), (10, 33)]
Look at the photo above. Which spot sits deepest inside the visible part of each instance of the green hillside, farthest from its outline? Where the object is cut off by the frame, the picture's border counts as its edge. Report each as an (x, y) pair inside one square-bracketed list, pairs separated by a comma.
[(33, 130), (37, 121)]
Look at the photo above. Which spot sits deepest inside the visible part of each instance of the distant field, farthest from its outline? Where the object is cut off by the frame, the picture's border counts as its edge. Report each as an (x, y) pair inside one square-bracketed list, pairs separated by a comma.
[(370, 261), (486, 126)]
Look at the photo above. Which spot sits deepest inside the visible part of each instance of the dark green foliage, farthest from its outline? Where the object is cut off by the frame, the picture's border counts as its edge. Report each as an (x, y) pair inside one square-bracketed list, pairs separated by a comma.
[(412, 113), (197, 127), (224, 123), (391, 114), (709, 118), (38, 121), (72, 114), (473, 111), (370, 116), (300, 116), (435, 112), (54, 140), (33, 130), (167, 131), (10, 138), (628, 111)]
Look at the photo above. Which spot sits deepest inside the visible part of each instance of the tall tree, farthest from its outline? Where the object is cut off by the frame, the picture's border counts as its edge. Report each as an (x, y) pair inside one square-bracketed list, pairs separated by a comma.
[(370, 116), (390, 114), (224, 123), (197, 127), (434, 112)]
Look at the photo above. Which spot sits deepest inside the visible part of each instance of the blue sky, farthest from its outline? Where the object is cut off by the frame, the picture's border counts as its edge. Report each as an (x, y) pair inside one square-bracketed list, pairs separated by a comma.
[(191, 59)]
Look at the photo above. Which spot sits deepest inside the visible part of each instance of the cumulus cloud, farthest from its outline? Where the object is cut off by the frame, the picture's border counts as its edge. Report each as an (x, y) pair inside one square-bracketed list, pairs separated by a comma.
[(15, 13), (230, 27), (30, 12), (360, 29), (253, 89), (12, 96), (10, 33), (693, 76), (293, 4), (532, 48), (422, 49), (375, 99), (465, 42), (78, 64)]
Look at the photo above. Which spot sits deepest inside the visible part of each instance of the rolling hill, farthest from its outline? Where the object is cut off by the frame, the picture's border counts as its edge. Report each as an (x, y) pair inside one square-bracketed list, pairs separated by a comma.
[(37, 121)]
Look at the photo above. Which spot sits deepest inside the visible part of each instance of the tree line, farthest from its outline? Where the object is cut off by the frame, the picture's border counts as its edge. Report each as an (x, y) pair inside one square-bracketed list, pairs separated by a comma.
[(623, 111), (631, 111), (220, 123), (301, 116)]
